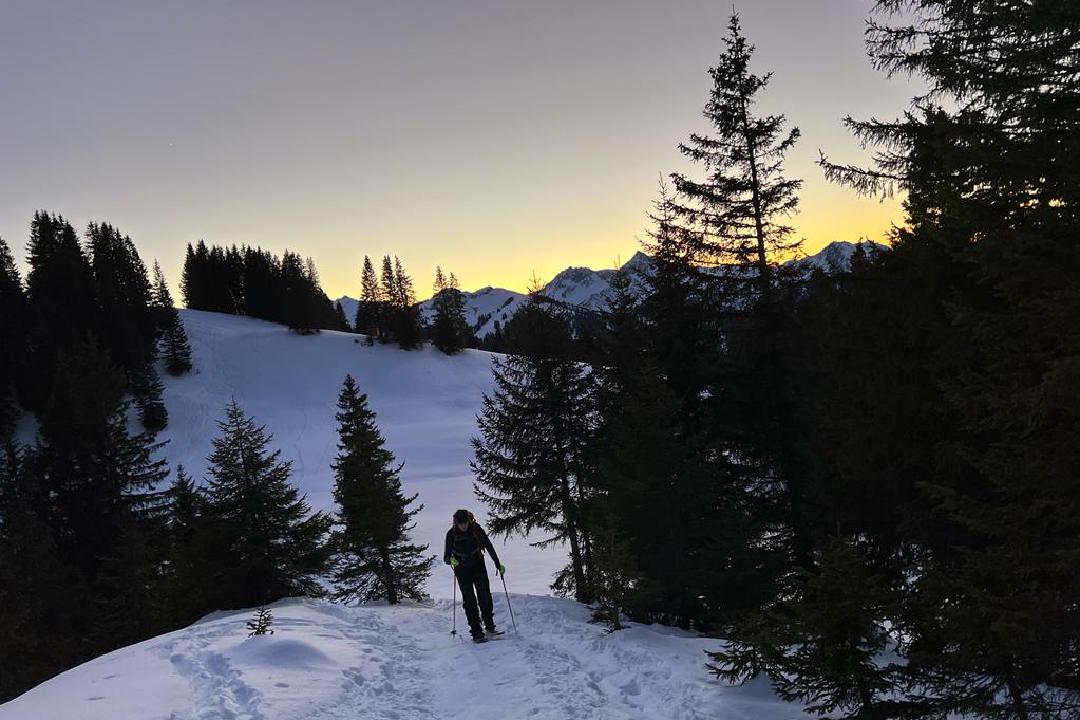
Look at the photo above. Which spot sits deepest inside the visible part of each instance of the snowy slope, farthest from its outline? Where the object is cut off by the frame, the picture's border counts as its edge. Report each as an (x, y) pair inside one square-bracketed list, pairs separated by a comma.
[(328, 662), (426, 404)]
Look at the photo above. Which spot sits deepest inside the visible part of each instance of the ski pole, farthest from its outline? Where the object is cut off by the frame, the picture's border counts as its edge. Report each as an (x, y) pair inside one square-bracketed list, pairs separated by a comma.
[(508, 605), (454, 631)]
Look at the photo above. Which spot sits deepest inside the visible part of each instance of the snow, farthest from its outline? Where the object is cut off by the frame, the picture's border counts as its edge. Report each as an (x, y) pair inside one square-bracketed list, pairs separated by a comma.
[(426, 403), (330, 662)]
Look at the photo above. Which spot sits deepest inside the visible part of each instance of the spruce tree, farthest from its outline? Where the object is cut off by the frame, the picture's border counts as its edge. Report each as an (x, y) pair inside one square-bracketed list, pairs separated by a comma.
[(301, 309), (450, 331), (192, 276), (262, 623), (340, 323), (191, 551), (368, 319), (99, 476), (173, 347), (127, 321), (13, 324), (407, 330), (104, 502), (40, 625), (389, 291), (374, 558), (964, 513), (270, 544), (741, 206), (61, 302), (147, 388), (531, 457)]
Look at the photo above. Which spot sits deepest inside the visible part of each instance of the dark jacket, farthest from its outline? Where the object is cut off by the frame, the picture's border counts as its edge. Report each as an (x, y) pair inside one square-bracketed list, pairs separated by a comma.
[(468, 546)]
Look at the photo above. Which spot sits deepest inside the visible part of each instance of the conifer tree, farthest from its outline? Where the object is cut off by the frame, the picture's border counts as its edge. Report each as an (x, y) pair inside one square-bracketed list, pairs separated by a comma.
[(104, 502), (128, 323), (374, 556), (99, 476), (173, 344), (262, 623), (13, 323), (389, 294), (450, 331), (964, 513), (740, 208), (300, 300), (407, 330), (368, 319), (191, 550), (339, 318), (147, 388), (61, 303), (270, 544), (531, 459), (36, 586), (191, 278)]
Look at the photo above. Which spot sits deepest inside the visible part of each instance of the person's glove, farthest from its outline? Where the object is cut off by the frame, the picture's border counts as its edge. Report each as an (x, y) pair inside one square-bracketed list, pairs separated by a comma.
[(454, 562), (502, 570)]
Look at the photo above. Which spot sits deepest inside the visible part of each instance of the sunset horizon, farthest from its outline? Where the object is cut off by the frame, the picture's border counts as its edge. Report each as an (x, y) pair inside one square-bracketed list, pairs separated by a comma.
[(426, 147)]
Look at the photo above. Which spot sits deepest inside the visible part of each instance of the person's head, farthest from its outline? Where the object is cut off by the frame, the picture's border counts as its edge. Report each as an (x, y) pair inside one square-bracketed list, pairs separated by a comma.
[(461, 519)]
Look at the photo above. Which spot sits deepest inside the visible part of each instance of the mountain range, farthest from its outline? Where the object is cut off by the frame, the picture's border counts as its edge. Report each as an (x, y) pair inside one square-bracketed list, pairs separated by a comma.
[(587, 288)]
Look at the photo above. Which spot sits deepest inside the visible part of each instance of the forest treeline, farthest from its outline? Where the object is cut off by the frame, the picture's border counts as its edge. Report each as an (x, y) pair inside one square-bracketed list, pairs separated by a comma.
[(864, 481)]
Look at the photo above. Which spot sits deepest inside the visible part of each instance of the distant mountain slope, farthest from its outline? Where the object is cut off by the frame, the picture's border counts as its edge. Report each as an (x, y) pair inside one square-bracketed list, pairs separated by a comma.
[(587, 288)]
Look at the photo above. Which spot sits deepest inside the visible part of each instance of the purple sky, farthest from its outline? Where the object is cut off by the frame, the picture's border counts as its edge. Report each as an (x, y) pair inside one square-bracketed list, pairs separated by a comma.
[(495, 138)]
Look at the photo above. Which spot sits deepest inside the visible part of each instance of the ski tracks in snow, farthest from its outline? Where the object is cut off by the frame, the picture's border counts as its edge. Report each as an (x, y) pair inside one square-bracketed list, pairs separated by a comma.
[(389, 682), (218, 691), (329, 662)]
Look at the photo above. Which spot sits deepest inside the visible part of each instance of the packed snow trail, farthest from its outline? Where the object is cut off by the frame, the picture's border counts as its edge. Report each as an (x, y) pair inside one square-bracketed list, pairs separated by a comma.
[(331, 662)]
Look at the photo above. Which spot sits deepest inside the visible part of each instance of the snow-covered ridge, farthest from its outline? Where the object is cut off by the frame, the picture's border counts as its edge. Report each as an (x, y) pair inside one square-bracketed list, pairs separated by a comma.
[(590, 289), (328, 662)]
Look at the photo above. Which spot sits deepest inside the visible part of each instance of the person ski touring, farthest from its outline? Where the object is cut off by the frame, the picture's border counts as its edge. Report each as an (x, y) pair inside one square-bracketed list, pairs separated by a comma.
[(464, 552)]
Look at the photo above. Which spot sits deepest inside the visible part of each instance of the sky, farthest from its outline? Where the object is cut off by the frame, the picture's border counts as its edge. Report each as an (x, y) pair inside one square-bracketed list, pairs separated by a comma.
[(498, 139)]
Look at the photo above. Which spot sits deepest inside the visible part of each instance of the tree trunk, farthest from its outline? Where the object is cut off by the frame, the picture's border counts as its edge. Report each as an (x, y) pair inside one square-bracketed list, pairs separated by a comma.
[(581, 593)]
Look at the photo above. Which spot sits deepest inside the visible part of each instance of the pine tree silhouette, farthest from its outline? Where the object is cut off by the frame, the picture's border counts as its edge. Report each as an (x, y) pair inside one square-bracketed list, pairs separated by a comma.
[(374, 557)]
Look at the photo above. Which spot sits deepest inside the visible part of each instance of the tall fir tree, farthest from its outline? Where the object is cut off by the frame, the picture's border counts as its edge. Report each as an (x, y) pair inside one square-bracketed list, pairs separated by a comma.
[(13, 325), (40, 624), (61, 304), (191, 545), (104, 493), (340, 322), (270, 544), (962, 511), (741, 206), (407, 328), (374, 557), (127, 322), (531, 456), (368, 320), (450, 331), (173, 346)]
